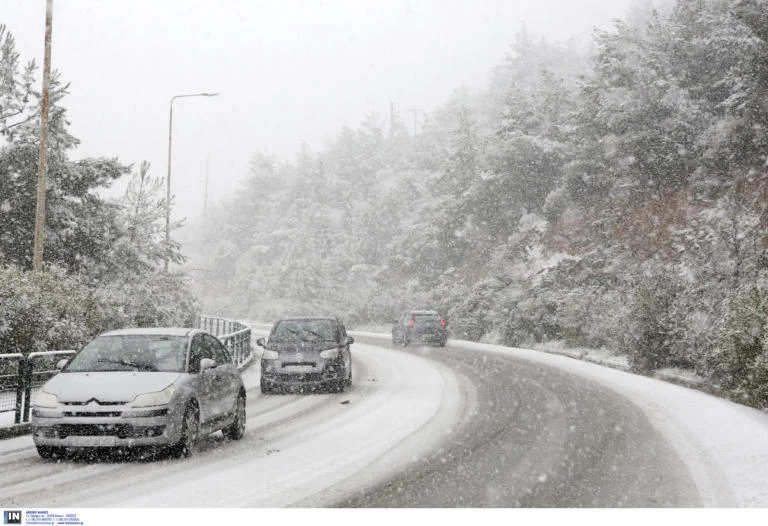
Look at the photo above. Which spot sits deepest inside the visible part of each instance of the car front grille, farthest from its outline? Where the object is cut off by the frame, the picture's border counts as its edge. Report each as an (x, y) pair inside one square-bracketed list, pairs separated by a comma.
[(116, 430), (89, 414), (91, 401), (305, 377)]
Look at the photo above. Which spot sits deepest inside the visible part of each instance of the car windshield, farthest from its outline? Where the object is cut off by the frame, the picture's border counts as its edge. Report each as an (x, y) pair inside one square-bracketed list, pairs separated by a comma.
[(424, 318), (303, 331), (152, 353)]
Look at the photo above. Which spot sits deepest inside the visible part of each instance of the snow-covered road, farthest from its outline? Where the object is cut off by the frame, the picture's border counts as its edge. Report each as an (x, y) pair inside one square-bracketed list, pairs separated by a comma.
[(469, 425), (297, 448)]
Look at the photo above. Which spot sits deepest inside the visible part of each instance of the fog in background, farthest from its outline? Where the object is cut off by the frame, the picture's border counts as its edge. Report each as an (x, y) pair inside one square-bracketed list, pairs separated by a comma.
[(289, 72)]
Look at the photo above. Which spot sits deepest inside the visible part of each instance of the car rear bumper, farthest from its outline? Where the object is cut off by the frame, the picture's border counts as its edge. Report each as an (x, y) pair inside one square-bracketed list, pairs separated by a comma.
[(428, 337)]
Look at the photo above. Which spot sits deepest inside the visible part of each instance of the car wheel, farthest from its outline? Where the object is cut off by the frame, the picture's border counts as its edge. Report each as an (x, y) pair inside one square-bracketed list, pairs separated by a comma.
[(442, 343), (236, 430), (348, 382), (266, 388), (49, 452), (190, 434), (405, 340)]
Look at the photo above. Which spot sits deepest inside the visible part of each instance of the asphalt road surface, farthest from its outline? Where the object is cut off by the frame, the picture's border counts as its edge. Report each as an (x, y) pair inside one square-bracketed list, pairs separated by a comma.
[(421, 427), (539, 437)]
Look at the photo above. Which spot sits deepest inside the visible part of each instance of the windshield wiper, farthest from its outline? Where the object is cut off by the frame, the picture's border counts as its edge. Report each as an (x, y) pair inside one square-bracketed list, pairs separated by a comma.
[(145, 366), (319, 336)]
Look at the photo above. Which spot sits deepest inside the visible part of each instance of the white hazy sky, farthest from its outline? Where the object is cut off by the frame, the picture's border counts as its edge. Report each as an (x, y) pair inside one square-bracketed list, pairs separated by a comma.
[(288, 71)]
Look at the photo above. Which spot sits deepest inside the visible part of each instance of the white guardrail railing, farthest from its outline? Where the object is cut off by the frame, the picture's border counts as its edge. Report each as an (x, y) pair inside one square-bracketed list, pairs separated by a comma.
[(235, 335)]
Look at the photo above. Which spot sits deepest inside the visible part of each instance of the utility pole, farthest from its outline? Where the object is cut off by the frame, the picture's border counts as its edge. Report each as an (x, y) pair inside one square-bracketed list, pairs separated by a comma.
[(37, 259), (391, 118), (205, 189), (415, 112)]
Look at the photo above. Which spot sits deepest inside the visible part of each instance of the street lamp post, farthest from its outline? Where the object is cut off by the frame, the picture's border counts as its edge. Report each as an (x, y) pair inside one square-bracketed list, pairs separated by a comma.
[(168, 182)]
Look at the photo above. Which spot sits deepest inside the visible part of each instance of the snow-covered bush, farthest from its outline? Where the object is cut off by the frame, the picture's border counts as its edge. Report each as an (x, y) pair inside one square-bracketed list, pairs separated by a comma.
[(51, 310), (737, 356), (650, 327)]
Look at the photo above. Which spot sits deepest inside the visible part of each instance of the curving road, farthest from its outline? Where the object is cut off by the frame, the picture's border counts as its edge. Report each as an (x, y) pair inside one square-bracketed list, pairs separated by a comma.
[(540, 437), (462, 426)]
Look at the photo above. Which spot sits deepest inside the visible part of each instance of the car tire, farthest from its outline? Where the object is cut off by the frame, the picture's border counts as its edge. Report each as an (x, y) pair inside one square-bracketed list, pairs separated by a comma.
[(190, 434), (347, 383), (50, 452), (404, 343), (236, 430), (266, 388)]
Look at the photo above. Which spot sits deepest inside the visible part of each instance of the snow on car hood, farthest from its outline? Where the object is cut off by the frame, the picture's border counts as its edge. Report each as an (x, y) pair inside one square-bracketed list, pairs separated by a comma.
[(112, 386)]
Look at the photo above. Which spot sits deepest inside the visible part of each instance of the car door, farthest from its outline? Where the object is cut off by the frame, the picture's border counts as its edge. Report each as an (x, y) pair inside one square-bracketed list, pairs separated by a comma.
[(205, 385), (226, 376), (397, 329), (346, 352)]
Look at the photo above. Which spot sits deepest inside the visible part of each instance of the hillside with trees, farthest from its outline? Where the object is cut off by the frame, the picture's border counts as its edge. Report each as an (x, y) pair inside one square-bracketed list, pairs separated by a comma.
[(612, 197)]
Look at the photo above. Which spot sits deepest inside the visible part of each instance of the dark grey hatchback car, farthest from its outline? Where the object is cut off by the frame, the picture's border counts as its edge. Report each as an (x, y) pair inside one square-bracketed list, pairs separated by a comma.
[(420, 326), (309, 353)]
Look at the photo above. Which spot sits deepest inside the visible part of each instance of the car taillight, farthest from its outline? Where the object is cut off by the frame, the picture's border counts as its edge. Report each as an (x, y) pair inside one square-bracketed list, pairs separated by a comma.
[(442, 322), (410, 324)]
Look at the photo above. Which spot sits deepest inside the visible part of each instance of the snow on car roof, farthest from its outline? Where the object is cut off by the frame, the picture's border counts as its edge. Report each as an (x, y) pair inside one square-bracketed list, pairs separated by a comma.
[(298, 318), (169, 331)]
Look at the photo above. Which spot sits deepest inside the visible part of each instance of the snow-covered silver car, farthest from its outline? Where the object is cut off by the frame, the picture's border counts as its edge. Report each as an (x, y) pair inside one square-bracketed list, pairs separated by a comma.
[(162, 387)]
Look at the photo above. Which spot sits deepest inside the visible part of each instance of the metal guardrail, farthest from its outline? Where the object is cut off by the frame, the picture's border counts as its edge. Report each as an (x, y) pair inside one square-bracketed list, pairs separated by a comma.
[(18, 388), (12, 367), (234, 334)]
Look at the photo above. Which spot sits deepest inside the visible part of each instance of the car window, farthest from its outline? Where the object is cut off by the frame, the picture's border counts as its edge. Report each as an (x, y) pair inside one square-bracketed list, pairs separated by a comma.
[(153, 353), (423, 318), (216, 349), (304, 331), (197, 352)]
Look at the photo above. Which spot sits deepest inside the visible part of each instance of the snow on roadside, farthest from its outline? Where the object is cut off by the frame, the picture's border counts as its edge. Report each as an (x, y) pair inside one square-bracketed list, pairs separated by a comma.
[(723, 444)]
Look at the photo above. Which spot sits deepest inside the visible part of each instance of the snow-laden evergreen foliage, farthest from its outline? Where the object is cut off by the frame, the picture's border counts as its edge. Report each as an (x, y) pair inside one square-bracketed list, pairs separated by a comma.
[(614, 200), (102, 258)]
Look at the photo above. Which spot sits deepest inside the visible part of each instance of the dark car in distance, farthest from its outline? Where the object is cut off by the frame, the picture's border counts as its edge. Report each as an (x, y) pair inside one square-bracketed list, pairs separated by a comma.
[(420, 326), (308, 353)]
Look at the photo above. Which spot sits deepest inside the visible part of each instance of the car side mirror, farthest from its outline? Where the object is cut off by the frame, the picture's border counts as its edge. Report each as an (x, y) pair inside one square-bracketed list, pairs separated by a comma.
[(349, 340), (260, 342), (207, 363), (61, 363)]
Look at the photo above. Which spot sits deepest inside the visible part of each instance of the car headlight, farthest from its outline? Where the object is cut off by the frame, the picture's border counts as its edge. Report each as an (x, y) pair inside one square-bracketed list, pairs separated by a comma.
[(152, 399), (270, 355), (44, 399), (329, 354)]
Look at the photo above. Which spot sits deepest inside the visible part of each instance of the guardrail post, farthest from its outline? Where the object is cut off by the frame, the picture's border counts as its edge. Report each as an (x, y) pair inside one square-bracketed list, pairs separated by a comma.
[(27, 388), (20, 391)]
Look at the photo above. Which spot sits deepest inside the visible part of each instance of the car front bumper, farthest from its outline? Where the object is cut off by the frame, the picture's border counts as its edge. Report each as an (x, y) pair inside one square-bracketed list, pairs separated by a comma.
[(150, 427), (273, 372)]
